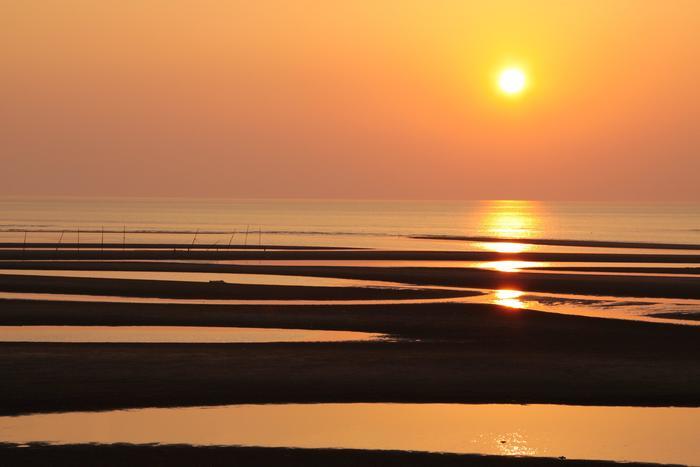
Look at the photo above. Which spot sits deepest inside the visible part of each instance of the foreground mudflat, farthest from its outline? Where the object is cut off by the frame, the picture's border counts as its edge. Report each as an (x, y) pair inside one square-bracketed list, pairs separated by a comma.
[(629, 286), (135, 455), (466, 353), (120, 455)]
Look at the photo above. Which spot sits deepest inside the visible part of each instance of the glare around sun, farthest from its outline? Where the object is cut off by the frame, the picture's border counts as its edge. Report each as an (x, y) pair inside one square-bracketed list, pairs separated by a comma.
[(512, 81)]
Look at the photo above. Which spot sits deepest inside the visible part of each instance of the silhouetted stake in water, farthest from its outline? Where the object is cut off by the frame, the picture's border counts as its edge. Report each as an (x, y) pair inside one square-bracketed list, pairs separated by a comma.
[(102, 239), (60, 239), (78, 239), (231, 239), (124, 239), (245, 241), (194, 239)]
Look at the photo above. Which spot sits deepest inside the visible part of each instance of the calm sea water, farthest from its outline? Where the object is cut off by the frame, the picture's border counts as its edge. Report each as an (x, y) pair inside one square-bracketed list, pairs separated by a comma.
[(381, 224)]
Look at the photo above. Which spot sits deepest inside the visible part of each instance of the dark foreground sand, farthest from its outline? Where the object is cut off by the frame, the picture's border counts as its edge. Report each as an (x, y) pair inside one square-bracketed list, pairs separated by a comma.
[(151, 456), (470, 353), (586, 284)]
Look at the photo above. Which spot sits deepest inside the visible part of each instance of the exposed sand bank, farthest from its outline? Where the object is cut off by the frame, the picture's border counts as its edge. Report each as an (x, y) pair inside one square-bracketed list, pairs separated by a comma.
[(177, 455), (161, 246), (623, 269), (469, 322), (210, 290), (592, 284), (339, 255), (471, 353), (565, 242)]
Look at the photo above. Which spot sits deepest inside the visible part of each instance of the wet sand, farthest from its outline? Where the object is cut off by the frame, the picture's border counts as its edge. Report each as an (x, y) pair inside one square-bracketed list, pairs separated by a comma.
[(678, 315), (468, 353), (581, 284), (623, 269), (209, 290), (469, 322), (565, 242), (160, 246), (339, 255), (177, 455), (444, 352)]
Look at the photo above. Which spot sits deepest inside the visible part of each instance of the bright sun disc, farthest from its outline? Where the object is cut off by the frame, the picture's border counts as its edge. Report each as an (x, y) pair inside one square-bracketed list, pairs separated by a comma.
[(512, 81)]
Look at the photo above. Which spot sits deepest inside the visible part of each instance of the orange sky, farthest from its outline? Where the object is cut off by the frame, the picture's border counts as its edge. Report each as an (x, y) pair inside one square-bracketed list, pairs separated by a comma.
[(350, 99)]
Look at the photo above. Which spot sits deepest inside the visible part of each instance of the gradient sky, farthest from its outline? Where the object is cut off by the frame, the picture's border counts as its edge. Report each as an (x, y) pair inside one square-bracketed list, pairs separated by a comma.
[(350, 99)]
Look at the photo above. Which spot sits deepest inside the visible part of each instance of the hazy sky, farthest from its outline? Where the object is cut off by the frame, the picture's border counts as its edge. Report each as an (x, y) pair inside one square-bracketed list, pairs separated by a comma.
[(350, 99)]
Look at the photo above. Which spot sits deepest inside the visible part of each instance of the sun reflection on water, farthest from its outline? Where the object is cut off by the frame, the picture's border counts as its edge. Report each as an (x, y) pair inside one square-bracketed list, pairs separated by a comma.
[(505, 247), (514, 444), (509, 298), (509, 220), (511, 266)]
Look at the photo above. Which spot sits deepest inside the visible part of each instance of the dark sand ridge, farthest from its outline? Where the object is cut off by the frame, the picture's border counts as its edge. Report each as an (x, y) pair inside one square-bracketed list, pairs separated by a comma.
[(677, 315), (215, 456), (624, 269), (592, 284), (211, 290), (429, 321), (500, 355), (340, 255), (564, 242), (160, 246)]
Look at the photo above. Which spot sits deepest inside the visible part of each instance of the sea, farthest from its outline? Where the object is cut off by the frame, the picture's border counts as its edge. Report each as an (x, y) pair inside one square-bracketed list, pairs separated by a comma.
[(349, 223)]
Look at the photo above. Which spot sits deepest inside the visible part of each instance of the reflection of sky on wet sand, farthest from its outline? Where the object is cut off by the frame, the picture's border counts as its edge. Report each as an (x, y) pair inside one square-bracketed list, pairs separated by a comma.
[(615, 433)]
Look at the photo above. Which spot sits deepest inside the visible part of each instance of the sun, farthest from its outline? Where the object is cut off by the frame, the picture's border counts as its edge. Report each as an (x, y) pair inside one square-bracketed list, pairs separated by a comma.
[(512, 81)]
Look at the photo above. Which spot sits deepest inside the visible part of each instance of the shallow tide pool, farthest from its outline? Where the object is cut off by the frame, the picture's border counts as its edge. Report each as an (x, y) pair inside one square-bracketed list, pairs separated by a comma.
[(667, 435), (174, 334)]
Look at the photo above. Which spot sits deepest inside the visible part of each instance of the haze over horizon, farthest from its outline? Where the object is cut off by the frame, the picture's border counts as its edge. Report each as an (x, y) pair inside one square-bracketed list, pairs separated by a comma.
[(380, 99)]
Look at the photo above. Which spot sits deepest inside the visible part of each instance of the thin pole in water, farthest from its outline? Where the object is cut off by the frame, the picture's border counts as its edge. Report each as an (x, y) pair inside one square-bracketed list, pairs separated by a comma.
[(78, 239), (124, 238), (60, 239), (245, 241), (231, 239), (259, 237), (24, 246), (194, 239)]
